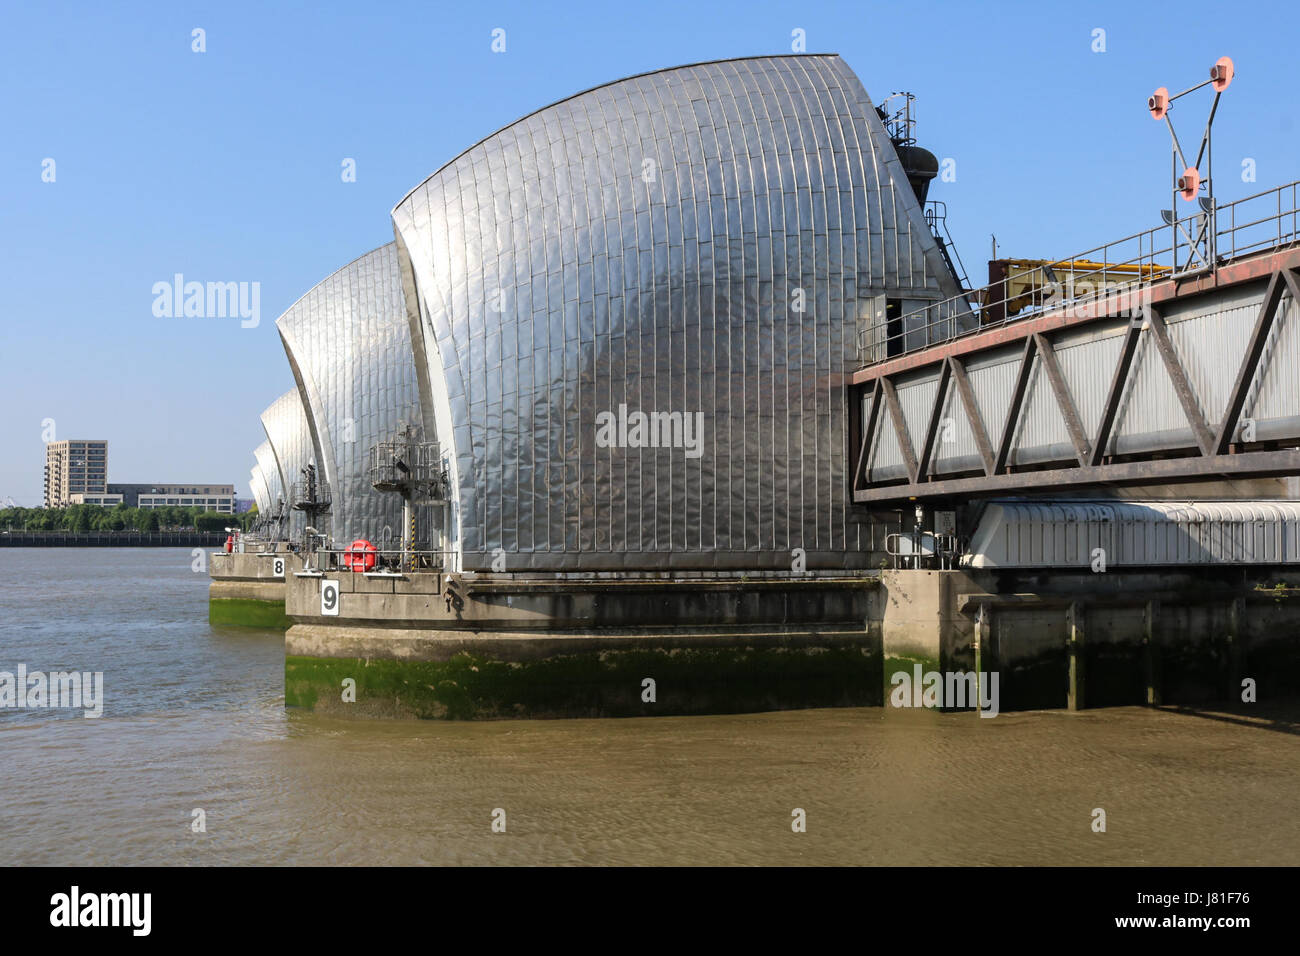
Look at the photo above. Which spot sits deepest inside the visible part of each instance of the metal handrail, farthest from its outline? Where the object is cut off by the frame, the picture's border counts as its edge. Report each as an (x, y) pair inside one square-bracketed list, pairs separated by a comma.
[(330, 559), (1206, 242)]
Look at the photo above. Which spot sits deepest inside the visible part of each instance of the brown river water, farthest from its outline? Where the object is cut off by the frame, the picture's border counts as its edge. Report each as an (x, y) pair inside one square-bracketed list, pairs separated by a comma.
[(193, 719)]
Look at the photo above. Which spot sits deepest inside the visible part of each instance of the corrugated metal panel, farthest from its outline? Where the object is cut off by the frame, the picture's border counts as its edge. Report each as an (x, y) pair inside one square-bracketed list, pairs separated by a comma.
[(1041, 434), (993, 380), (646, 246), (916, 400), (1209, 334), (1150, 415), (349, 344), (1274, 401), (886, 461), (1065, 533), (955, 449), (1083, 366)]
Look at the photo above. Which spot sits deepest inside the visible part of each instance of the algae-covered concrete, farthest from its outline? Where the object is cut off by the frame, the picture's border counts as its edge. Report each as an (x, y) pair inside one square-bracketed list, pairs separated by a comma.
[(476, 646), (248, 590)]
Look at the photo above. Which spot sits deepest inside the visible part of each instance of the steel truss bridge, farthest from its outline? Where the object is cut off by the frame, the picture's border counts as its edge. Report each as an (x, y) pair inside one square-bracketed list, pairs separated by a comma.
[(1168, 364)]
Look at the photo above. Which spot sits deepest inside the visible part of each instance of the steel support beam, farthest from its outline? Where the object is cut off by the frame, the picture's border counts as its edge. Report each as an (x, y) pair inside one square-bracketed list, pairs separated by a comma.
[(1194, 468), (900, 428), (959, 377), (932, 428), (1110, 410), (1250, 361), (868, 432), (1013, 410), (1064, 400), (1178, 375)]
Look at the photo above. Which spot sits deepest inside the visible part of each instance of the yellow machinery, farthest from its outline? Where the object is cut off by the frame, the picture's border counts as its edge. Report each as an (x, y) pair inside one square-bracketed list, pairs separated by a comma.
[(1018, 284)]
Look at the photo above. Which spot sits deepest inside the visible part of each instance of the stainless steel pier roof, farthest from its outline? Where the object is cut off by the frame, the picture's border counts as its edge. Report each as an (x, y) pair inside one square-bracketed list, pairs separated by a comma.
[(289, 435), (269, 469), (703, 242), (349, 345)]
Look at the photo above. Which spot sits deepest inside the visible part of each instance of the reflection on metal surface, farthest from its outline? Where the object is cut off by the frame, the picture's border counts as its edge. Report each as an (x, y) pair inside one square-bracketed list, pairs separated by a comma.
[(269, 469), (348, 343), (261, 497), (706, 241)]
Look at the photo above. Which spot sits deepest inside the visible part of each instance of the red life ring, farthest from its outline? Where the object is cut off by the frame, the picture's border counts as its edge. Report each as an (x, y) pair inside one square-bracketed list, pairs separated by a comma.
[(359, 555)]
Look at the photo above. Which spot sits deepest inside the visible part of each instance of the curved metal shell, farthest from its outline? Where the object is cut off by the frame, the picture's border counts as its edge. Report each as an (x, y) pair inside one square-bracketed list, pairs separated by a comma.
[(289, 435), (270, 471), (258, 485), (699, 244), (349, 345)]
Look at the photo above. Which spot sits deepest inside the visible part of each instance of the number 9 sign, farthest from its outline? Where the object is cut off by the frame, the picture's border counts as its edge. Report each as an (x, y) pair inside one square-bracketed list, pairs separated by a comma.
[(329, 597)]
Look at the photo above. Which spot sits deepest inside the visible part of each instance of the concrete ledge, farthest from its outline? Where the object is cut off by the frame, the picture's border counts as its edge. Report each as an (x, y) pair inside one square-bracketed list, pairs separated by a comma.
[(388, 643), (247, 590)]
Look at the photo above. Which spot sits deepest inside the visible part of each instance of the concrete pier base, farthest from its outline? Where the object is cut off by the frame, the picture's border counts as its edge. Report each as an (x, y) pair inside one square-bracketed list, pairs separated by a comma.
[(499, 646), (490, 646), (246, 590)]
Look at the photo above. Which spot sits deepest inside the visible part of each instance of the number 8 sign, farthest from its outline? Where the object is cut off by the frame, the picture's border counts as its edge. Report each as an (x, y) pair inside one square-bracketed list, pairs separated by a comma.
[(329, 597), (277, 567)]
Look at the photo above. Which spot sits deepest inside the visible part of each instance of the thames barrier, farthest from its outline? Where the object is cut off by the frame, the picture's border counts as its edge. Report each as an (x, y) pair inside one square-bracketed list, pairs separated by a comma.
[(673, 397)]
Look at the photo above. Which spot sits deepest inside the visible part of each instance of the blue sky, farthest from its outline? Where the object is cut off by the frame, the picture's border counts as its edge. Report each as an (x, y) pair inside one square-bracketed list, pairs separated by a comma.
[(225, 165)]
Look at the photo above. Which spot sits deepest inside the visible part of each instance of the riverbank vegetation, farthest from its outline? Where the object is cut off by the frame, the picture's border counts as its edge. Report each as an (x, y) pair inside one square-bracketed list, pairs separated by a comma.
[(84, 518)]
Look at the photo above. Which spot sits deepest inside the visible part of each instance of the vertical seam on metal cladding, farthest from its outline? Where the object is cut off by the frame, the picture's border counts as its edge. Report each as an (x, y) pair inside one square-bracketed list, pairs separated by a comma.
[(845, 110), (687, 504), (763, 459), (584, 191), (617, 461), (530, 513), (646, 146), (494, 503), (832, 351), (734, 286), (793, 193), (759, 87), (777, 460), (729, 497), (717, 74), (816, 183)]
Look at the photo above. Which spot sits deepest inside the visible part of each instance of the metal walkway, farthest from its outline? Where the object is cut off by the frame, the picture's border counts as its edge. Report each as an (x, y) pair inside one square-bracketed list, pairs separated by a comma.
[(1150, 365)]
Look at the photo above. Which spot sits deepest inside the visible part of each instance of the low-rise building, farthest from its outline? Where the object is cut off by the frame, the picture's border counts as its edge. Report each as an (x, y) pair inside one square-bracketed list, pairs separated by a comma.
[(212, 497), (104, 501)]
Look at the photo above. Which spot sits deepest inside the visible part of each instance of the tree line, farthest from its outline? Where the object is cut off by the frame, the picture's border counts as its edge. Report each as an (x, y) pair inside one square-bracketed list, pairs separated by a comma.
[(79, 519)]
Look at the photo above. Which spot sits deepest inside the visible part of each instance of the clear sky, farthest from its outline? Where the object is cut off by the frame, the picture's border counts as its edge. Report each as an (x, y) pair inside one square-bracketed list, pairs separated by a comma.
[(226, 165)]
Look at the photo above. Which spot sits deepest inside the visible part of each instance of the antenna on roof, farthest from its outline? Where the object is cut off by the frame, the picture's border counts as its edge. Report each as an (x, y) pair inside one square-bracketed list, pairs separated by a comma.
[(1189, 182)]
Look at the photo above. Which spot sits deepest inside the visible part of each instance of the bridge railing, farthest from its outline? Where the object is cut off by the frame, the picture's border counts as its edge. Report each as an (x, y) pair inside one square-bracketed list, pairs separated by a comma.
[(1179, 248)]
